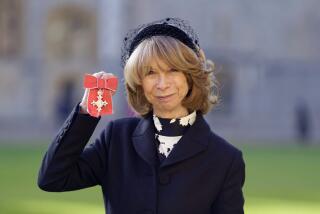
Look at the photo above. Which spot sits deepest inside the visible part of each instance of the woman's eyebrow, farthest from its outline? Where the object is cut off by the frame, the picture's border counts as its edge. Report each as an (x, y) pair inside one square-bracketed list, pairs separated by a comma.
[(147, 67), (150, 67)]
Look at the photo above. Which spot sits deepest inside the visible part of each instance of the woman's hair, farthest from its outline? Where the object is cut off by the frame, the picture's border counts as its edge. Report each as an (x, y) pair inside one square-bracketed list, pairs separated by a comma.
[(197, 69)]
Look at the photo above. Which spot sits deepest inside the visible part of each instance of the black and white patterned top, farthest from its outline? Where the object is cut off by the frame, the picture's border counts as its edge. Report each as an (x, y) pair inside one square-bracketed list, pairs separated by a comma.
[(169, 131)]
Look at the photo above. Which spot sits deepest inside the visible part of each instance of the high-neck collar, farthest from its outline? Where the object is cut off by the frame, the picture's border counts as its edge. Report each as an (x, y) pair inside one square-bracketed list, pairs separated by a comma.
[(174, 126)]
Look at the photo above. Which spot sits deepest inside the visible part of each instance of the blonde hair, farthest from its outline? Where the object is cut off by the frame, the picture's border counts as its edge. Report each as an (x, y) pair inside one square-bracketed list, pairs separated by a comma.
[(197, 69)]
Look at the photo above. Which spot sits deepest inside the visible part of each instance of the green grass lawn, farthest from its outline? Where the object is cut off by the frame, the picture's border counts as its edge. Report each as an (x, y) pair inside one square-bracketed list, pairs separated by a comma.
[(279, 180), (282, 180)]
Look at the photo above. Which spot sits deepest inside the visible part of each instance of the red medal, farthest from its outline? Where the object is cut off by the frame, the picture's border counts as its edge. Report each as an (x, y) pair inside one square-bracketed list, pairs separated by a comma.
[(100, 92)]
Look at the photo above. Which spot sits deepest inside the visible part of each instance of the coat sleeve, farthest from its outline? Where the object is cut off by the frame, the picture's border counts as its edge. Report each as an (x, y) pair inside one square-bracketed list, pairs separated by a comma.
[(68, 164), (231, 199)]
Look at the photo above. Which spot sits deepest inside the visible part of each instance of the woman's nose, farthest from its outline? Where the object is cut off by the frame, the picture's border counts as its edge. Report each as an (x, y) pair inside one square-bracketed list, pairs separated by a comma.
[(162, 82)]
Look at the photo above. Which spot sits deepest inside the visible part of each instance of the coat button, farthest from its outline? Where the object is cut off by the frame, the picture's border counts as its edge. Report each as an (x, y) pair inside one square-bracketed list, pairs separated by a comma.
[(68, 124), (62, 133), (164, 179)]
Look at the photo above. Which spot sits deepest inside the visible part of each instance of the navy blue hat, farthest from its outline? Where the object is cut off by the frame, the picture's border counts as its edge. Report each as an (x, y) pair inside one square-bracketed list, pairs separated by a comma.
[(173, 27)]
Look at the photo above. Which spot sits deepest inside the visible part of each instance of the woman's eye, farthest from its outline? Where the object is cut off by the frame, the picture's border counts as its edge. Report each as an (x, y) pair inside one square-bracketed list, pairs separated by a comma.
[(174, 70), (150, 72)]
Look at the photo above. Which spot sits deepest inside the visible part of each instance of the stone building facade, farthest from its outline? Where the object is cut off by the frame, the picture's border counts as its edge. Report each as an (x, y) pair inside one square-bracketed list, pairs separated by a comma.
[(266, 53)]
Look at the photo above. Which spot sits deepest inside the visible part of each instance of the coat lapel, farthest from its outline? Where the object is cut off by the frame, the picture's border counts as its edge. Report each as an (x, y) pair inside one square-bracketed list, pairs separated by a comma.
[(194, 141), (144, 140)]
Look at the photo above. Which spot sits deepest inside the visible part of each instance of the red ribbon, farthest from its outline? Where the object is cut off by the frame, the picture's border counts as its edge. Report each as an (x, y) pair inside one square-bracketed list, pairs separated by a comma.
[(99, 100)]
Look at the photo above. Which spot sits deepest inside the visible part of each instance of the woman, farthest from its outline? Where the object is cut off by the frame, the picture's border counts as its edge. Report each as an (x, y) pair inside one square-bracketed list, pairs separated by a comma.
[(166, 161)]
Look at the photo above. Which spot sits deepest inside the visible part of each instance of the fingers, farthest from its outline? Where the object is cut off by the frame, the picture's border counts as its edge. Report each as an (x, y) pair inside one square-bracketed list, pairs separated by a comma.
[(103, 75), (99, 74)]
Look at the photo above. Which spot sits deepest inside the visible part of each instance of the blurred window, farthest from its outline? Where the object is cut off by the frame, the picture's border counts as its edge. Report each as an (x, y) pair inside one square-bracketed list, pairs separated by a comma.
[(71, 34), (10, 28)]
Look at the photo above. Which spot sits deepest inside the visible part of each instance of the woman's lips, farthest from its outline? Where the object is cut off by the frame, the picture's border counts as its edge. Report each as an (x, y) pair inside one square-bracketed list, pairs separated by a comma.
[(164, 98)]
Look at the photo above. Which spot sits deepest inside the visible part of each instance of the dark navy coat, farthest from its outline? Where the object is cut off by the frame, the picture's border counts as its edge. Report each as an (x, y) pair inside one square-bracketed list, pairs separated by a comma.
[(203, 174)]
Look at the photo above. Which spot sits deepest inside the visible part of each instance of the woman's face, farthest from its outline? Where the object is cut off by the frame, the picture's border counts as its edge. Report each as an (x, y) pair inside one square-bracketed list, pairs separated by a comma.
[(165, 88)]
